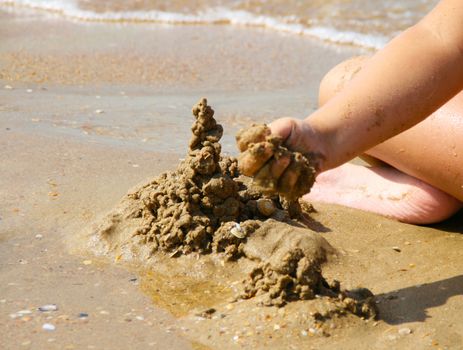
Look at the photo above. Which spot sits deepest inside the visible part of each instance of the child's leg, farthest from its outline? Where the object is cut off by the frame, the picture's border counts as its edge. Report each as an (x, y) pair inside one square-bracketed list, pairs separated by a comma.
[(383, 190), (431, 151)]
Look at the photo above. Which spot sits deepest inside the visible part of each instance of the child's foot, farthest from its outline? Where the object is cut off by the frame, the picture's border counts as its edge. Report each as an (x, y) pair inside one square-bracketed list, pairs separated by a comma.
[(385, 191)]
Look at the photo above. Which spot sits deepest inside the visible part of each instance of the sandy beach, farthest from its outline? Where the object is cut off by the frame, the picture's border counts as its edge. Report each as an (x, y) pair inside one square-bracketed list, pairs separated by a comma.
[(90, 110)]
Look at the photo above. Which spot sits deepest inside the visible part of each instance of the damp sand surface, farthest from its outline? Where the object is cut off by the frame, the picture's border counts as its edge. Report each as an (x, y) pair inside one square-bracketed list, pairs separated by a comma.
[(63, 165)]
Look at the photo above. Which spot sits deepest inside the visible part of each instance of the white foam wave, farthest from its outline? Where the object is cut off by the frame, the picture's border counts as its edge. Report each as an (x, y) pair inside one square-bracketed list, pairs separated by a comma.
[(218, 15)]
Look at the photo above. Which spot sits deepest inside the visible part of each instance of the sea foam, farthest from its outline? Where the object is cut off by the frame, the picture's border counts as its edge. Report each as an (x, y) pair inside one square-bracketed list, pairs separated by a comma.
[(216, 15)]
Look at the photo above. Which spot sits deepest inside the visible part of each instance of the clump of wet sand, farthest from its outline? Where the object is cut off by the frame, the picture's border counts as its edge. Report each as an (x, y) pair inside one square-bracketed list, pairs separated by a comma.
[(206, 207), (260, 143)]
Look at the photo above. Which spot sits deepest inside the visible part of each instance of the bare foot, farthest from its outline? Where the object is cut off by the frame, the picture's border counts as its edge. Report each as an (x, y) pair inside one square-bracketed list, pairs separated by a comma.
[(385, 191)]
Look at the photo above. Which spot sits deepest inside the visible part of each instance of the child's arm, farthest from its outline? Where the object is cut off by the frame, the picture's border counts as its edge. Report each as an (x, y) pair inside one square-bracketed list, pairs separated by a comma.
[(401, 85)]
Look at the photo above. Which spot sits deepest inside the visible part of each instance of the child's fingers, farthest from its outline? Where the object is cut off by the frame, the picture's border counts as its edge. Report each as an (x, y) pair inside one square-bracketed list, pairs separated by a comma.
[(254, 134), (289, 178), (264, 177), (282, 127), (270, 173), (279, 164), (250, 161)]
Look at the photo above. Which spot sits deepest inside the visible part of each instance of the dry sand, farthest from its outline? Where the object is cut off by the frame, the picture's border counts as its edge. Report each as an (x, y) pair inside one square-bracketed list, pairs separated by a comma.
[(63, 164)]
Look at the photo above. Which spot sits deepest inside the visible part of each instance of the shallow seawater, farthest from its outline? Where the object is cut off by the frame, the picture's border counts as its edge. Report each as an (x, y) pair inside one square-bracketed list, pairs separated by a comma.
[(359, 22), (111, 87), (183, 294)]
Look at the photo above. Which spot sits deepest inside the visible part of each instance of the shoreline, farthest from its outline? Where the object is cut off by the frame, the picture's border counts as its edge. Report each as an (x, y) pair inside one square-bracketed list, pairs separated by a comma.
[(86, 12)]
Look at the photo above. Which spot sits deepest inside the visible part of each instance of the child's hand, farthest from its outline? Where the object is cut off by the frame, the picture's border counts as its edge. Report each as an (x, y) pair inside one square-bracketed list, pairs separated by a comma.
[(262, 162)]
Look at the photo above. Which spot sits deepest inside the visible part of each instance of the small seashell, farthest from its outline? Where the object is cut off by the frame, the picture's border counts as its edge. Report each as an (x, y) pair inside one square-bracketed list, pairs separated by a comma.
[(237, 231), (48, 307), (48, 327), (266, 206), (313, 330), (405, 331), (24, 312), (175, 253)]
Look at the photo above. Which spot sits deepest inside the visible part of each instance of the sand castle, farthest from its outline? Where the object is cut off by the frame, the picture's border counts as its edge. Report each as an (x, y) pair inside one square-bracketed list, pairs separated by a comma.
[(206, 206)]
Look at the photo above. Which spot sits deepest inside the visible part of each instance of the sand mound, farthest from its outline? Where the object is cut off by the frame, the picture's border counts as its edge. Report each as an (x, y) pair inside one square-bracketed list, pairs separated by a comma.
[(205, 206)]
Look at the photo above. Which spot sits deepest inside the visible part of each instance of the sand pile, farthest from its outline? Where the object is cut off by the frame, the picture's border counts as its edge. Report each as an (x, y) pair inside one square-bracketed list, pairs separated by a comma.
[(203, 206), (206, 206)]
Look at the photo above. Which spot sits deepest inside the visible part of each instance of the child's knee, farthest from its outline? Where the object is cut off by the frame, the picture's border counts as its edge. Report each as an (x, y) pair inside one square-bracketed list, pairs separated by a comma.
[(337, 77)]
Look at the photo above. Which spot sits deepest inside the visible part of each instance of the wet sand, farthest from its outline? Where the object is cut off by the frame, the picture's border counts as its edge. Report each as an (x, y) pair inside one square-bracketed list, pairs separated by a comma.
[(76, 139)]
